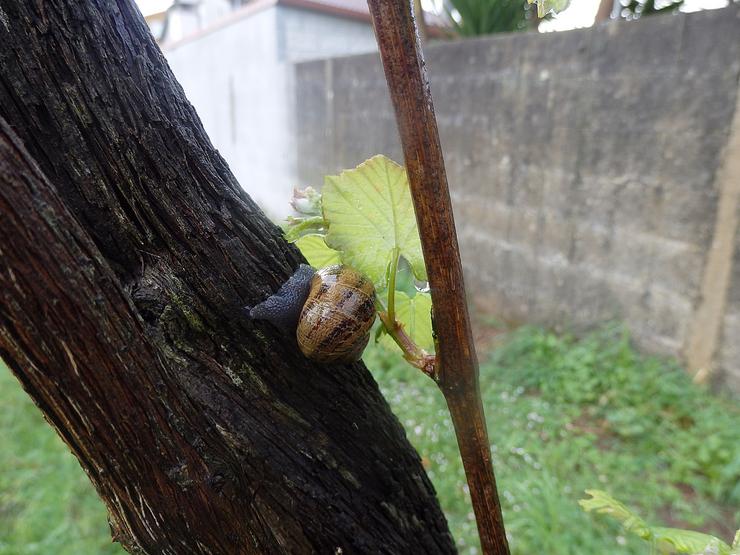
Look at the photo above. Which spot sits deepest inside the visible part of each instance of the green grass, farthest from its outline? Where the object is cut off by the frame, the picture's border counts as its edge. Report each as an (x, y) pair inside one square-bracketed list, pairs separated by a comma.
[(567, 415), (564, 416), (47, 504)]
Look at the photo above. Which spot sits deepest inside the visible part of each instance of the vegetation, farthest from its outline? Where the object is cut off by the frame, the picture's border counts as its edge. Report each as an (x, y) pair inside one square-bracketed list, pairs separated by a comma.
[(567, 415), (572, 415), (483, 17), (47, 504)]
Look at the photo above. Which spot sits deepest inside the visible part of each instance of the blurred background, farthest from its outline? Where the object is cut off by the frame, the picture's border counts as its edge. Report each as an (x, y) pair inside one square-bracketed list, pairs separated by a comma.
[(594, 166)]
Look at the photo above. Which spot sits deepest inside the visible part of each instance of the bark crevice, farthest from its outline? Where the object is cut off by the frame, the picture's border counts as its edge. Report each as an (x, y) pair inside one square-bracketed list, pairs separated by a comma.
[(125, 259)]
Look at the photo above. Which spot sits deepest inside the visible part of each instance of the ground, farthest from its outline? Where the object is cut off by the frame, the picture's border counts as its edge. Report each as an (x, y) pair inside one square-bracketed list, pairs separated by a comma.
[(564, 415)]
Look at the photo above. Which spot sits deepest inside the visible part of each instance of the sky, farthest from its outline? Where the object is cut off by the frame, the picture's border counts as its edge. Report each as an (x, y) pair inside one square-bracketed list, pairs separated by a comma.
[(580, 13)]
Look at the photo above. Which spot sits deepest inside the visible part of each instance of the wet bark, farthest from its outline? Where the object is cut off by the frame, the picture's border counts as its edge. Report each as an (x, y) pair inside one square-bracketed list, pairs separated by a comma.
[(127, 251)]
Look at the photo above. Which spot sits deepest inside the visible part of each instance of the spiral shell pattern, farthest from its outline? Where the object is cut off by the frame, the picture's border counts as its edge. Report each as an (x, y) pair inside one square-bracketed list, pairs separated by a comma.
[(335, 323)]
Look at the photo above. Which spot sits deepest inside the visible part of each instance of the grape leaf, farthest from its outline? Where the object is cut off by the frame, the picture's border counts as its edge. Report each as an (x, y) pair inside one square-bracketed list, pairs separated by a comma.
[(673, 540), (416, 316), (602, 502), (369, 213), (318, 254), (689, 542)]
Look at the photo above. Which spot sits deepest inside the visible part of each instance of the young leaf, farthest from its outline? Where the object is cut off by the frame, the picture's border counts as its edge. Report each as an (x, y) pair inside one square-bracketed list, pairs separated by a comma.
[(316, 252), (675, 540), (369, 213), (416, 316), (602, 502), (668, 540)]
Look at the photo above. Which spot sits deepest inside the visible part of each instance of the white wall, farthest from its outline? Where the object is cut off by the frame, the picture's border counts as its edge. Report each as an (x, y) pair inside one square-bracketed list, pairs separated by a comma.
[(239, 77), (307, 35)]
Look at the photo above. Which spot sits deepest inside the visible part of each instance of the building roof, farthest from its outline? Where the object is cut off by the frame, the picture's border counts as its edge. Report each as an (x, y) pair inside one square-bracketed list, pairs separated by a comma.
[(356, 9), (352, 9)]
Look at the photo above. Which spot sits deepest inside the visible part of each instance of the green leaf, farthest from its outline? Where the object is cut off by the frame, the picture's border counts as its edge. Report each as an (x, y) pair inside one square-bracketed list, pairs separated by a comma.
[(670, 540), (369, 213), (675, 540), (415, 313), (316, 252), (603, 503)]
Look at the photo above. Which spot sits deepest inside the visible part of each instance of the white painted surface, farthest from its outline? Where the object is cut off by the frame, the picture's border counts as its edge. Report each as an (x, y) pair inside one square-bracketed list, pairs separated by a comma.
[(239, 77)]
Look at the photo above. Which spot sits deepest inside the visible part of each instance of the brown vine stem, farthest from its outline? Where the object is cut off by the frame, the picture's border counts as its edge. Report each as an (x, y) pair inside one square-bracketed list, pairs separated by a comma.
[(457, 366)]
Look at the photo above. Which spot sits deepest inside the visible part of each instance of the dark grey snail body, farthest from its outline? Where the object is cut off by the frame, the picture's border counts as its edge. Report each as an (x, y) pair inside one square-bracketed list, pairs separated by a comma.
[(332, 311), (284, 307)]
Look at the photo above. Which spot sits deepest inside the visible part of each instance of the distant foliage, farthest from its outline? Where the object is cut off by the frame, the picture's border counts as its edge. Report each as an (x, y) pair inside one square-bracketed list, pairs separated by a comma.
[(571, 414), (636, 401), (484, 17), (47, 504)]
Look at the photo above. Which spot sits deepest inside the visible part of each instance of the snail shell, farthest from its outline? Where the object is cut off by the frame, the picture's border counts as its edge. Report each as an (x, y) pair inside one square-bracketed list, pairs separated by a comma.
[(334, 325)]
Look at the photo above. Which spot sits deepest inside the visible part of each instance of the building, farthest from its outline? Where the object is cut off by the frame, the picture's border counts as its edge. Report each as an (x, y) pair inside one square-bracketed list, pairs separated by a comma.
[(235, 61)]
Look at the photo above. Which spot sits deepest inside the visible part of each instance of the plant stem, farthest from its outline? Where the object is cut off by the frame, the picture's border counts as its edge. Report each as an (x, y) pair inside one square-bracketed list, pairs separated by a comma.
[(392, 284), (457, 366), (412, 353)]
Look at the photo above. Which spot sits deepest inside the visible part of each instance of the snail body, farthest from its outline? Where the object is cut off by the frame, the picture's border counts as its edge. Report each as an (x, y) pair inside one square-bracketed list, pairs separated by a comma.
[(331, 310)]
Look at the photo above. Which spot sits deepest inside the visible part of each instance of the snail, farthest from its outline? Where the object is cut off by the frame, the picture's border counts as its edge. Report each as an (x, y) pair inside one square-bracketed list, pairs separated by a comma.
[(331, 310)]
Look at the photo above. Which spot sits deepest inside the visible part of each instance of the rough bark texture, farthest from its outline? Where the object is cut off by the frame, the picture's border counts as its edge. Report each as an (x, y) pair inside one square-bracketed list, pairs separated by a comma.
[(122, 278)]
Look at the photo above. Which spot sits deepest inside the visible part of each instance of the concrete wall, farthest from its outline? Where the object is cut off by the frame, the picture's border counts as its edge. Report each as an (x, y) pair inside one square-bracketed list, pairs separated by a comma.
[(583, 168), (239, 77)]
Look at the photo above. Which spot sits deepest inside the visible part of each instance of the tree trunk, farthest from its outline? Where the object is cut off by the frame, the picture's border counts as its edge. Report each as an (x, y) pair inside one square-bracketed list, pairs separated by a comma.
[(127, 251)]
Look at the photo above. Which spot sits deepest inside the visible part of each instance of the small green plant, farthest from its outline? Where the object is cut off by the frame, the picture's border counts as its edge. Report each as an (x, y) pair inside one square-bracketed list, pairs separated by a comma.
[(663, 540), (364, 217), (484, 17)]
